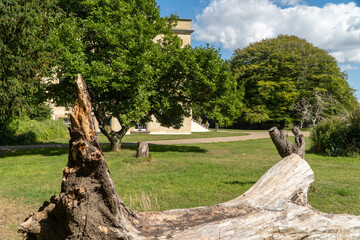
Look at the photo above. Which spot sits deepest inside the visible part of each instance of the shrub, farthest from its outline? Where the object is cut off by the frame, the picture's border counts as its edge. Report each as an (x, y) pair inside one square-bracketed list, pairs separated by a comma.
[(41, 112), (26, 131), (337, 136)]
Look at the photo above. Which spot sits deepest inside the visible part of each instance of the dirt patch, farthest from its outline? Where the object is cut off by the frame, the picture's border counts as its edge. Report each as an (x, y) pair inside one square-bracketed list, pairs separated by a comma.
[(11, 215)]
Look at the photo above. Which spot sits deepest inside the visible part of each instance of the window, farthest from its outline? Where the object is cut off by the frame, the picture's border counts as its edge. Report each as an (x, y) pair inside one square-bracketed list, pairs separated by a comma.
[(140, 127)]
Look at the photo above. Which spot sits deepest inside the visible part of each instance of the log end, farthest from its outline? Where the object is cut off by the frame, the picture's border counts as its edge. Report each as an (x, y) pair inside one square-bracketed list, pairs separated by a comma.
[(143, 149)]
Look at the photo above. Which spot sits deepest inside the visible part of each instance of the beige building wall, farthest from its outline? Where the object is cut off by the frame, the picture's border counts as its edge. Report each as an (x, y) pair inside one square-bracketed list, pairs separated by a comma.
[(154, 127), (59, 112), (115, 125), (183, 30)]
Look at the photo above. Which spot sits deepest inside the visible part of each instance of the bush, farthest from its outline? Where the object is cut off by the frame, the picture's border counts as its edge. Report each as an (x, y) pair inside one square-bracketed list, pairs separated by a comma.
[(26, 131), (41, 112), (337, 136)]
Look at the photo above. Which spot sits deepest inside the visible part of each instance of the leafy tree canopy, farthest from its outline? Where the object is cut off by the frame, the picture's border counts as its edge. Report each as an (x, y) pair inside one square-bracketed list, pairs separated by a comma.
[(133, 64), (24, 54), (217, 94), (278, 74)]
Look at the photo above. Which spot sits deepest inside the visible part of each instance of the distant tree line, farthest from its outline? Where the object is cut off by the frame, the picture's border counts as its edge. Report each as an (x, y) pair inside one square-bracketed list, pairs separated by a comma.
[(133, 74)]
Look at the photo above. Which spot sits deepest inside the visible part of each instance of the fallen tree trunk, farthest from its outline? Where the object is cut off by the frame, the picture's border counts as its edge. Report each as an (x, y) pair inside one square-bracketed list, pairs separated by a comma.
[(284, 146), (88, 207)]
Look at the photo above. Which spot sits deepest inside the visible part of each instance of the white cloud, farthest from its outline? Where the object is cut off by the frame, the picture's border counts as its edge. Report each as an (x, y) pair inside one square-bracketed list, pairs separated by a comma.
[(236, 23), (348, 67)]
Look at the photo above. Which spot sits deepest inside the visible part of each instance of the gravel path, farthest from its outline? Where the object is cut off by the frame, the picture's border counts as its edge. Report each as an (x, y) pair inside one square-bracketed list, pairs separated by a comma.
[(251, 135)]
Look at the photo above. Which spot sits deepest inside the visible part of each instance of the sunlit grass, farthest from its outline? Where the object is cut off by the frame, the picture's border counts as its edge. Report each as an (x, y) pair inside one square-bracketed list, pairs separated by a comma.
[(183, 176)]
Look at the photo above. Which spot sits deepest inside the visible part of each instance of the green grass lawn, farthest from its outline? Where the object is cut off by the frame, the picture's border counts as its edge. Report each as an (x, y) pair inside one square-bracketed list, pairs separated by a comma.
[(182, 176)]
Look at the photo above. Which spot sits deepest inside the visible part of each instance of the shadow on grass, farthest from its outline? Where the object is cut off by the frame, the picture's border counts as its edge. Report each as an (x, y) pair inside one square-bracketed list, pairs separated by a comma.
[(162, 148), (56, 151), (240, 183), (312, 151), (176, 148), (38, 151)]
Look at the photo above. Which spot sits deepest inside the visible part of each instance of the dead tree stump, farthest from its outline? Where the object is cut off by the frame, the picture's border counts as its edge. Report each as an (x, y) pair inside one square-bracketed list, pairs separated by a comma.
[(284, 146), (142, 149), (88, 207)]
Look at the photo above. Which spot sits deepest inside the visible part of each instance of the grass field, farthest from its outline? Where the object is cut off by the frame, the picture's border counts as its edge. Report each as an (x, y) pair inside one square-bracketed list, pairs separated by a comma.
[(178, 176)]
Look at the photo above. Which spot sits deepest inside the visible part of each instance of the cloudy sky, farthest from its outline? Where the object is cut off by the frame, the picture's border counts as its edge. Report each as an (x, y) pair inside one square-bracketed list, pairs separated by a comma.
[(231, 24)]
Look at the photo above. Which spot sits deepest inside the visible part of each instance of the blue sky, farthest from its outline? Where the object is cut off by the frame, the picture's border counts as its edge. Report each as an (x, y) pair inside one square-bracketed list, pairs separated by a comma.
[(231, 24)]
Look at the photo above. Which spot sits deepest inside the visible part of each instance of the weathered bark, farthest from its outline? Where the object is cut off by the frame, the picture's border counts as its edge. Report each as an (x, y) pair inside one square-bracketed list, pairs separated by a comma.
[(142, 149), (284, 146), (88, 207)]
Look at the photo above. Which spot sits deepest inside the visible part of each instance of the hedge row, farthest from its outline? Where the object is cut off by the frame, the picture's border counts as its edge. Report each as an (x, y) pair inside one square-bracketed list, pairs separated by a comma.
[(26, 131), (337, 136)]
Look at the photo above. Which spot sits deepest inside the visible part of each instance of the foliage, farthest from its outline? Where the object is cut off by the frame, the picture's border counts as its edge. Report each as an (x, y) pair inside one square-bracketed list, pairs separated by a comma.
[(337, 136), (132, 74), (216, 93), (279, 74), (41, 112), (26, 131), (328, 136), (111, 43), (25, 54)]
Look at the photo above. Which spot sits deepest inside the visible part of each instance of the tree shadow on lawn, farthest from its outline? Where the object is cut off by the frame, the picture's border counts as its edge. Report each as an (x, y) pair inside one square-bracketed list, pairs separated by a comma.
[(236, 182), (176, 148), (162, 148), (56, 151), (38, 151), (312, 151)]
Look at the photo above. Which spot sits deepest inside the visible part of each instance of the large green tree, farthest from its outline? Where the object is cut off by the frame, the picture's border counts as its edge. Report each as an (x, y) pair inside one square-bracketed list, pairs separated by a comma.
[(133, 64), (284, 77), (25, 54), (200, 79), (217, 94)]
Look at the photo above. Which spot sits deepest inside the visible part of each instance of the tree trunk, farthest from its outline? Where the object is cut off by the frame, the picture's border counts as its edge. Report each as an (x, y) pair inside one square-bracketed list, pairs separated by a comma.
[(115, 143), (116, 138), (284, 146), (106, 129), (88, 206), (142, 149)]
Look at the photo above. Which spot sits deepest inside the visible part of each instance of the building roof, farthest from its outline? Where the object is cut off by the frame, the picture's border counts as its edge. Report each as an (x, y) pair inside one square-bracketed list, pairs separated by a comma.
[(185, 19), (183, 31)]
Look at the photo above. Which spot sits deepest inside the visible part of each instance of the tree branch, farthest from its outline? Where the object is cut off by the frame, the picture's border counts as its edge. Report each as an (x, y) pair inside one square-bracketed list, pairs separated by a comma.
[(284, 146)]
